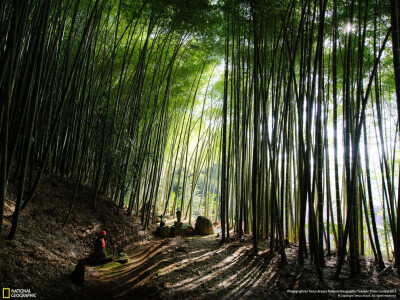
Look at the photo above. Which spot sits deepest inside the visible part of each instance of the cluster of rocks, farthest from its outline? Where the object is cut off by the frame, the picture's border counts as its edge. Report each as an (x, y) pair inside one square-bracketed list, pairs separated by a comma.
[(203, 227), (178, 229)]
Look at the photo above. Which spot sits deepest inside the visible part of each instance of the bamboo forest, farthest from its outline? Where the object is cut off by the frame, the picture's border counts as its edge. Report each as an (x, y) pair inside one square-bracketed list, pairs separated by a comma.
[(199, 149)]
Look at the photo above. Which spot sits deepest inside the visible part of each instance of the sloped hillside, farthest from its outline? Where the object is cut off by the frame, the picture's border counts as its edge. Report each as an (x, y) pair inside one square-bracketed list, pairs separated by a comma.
[(43, 254)]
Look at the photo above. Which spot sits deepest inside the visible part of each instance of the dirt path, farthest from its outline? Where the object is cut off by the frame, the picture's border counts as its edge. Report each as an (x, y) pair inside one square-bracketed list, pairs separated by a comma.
[(197, 267), (202, 268)]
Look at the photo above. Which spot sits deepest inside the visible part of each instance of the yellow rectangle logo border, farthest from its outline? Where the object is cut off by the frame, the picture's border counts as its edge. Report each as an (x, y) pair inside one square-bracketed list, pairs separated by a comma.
[(4, 294)]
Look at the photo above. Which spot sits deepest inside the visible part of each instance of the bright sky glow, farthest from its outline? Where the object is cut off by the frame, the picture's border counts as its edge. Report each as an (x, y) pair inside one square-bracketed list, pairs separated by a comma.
[(349, 27)]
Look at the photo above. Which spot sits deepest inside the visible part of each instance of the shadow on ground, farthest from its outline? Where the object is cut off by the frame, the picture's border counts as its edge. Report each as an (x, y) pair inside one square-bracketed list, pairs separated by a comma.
[(195, 268)]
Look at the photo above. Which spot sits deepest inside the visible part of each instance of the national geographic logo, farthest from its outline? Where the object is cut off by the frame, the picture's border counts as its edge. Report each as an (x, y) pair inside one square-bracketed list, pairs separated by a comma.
[(17, 293)]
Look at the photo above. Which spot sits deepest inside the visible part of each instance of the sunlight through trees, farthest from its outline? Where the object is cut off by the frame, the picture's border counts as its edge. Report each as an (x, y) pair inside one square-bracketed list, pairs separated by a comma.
[(275, 118)]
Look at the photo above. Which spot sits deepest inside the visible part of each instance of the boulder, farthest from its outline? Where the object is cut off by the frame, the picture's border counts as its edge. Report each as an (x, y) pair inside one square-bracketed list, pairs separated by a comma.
[(177, 231), (178, 224), (203, 226), (122, 258), (181, 229), (163, 231), (188, 229)]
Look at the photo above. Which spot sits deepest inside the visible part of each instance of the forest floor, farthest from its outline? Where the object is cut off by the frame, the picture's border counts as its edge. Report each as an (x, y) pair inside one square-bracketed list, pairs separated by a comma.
[(43, 255)]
